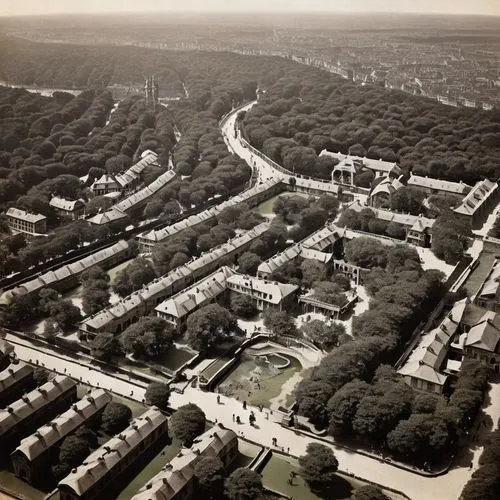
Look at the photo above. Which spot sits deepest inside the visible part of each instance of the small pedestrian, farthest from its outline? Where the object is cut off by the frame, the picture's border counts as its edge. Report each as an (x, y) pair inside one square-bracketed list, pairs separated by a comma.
[(288, 453), (244, 405), (218, 399), (233, 417)]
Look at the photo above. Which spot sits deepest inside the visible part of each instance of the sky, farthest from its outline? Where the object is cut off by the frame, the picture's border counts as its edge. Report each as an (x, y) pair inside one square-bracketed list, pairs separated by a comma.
[(26, 7)]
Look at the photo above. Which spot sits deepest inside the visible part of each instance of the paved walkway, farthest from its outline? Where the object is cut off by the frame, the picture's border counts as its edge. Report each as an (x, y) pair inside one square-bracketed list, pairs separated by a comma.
[(446, 487)]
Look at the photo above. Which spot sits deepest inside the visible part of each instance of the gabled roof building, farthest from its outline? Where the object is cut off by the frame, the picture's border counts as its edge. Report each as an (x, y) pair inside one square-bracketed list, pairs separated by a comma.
[(251, 197), (119, 316), (100, 472), (20, 221), (478, 202), (176, 480), (25, 415), (34, 455), (177, 308), (15, 380), (65, 277), (67, 208)]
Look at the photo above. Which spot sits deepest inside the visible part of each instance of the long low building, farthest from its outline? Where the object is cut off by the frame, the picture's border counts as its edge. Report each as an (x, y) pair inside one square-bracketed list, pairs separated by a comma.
[(177, 308), (133, 176), (102, 469), (176, 480), (438, 186), (349, 165), (488, 295), (311, 247), (125, 207), (35, 454), (15, 380), (478, 202), (25, 415), (251, 197), (66, 277), (119, 316), (418, 228)]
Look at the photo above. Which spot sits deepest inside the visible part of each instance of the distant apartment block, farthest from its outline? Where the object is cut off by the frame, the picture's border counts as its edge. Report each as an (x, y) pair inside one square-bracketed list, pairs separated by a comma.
[(20, 221)]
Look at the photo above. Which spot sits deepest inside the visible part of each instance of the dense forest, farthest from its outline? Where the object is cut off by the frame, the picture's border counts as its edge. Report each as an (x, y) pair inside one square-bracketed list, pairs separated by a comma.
[(307, 111)]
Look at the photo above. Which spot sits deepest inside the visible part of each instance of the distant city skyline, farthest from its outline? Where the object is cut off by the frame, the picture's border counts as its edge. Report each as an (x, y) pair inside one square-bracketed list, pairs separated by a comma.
[(36, 7)]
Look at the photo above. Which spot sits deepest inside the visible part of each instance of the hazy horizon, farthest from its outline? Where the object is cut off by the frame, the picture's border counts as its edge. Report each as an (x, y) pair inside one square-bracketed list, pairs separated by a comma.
[(51, 7)]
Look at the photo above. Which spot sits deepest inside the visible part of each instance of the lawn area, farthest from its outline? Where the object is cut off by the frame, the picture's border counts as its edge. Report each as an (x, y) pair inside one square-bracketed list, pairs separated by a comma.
[(175, 357), (277, 472), (152, 468), (112, 272), (476, 278), (266, 207), (18, 487), (257, 381)]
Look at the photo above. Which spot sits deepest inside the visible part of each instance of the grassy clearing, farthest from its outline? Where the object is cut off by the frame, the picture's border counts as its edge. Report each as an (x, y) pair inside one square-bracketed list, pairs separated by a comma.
[(151, 469)]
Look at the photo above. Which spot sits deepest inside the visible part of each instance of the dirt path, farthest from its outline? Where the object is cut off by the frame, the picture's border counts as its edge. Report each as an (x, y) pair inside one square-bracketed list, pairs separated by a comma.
[(286, 389)]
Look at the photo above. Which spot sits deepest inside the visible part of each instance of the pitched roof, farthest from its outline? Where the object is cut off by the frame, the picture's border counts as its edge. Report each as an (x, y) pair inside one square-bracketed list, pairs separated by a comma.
[(490, 287), (191, 298), (166, 282), (438, 184), (416, 222), (378, 165), (275, 291), (180, 470), (13, 374), (107, 217), (50, 277), (17, 213), (158, 235), (426, 359), (143, 194), (66, 205), (53, 432), (481, 192), (484, 336), (33, 401), (104, 459)]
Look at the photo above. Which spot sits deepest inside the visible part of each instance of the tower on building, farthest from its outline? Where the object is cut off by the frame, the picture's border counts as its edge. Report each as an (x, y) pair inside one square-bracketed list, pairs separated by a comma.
[(151, 90)]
